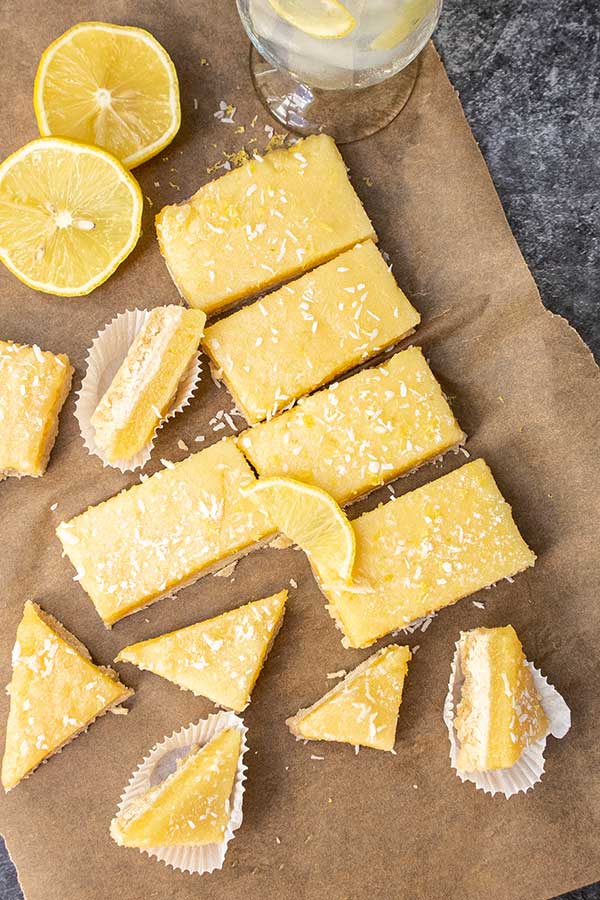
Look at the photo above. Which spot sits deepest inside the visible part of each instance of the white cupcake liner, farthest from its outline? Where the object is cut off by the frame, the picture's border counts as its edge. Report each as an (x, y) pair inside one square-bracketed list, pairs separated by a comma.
[(529, 768), (161, 762), (108, 350)]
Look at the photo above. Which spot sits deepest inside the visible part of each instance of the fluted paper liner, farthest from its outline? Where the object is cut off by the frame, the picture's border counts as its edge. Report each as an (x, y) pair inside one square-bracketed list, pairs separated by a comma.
[(161, 762), (108, 350), (529, 768)]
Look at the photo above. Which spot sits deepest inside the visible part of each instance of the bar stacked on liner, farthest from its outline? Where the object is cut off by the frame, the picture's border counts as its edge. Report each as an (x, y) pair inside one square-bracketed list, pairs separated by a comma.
[(139, 396), (191, 807), (310, 331), (499, 713), (426, 550), (158, 536), (358, 434), (262, 224)]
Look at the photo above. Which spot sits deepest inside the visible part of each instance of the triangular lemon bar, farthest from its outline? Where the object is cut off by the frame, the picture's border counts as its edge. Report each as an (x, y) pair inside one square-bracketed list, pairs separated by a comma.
[(191, 806), (499, 713), (219, 658), (56, 691), (363, 708)]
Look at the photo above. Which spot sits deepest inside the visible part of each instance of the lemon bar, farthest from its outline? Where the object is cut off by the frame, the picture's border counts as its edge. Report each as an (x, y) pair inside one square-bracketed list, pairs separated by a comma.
[(310, 331), (189, 518), (359, 433), (363, 708), (34, 385), (191, 807), (219, 658), (262, 224), (499, 713), (426, 550), (56, 692), (139, 395)]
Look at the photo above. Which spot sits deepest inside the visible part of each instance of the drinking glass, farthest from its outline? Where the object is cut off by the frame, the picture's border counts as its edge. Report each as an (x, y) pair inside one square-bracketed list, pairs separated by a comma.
[(346, 68)]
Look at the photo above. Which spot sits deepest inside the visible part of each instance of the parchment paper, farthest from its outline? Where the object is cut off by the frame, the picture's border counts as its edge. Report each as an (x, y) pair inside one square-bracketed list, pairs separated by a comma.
[(527, 392)]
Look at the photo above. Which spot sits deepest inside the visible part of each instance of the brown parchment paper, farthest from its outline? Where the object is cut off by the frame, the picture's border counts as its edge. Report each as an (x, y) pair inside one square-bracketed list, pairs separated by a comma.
[(527, 392)]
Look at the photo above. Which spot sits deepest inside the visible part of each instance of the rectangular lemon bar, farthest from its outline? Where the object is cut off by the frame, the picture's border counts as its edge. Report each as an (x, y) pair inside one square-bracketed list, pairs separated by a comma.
[(359, 433), (139, 395), (426, 550), (34, 385), (261, 224), (310, 331), (154, 538)]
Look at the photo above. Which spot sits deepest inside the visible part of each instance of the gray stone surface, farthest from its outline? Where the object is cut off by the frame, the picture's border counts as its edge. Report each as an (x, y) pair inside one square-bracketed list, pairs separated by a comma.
[(528, 76), (527, 72)]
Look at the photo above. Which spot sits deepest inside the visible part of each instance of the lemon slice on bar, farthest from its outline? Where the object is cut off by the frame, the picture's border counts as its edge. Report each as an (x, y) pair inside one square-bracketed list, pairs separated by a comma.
[(412, 13), (110, 85), (319, 18), (69, 215), (311, 518)]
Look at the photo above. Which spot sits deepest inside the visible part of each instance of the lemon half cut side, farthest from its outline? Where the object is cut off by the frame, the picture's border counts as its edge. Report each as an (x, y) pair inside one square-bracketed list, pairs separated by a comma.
[(110, 85), (69, 215)]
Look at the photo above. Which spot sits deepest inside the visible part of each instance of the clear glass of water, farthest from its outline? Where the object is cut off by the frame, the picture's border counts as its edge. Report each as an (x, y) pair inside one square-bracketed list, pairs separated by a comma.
[(346, 67)]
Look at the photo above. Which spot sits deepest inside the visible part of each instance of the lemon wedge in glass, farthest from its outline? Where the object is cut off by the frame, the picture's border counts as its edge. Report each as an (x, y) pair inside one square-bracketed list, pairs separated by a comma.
[(69, 215), (319, 18), (412, 13), (110, 85), (311, 518)]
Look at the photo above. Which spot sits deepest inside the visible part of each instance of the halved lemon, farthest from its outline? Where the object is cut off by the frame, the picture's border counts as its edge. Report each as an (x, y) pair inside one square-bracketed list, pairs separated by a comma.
[(110, 85), (69, 215), (319, 18), (311, 518), (412, 13)]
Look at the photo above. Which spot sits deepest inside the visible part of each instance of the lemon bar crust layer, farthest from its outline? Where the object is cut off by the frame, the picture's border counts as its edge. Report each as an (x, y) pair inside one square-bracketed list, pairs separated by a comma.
[(261, 224), (356, 435), (34, 385), (426, 550), (499, 713), (139, 395), (310, 331), (162, 534)]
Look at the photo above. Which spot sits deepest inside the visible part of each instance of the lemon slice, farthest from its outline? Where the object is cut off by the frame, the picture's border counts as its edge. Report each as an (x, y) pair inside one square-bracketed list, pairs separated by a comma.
[(109, 85), (319, 18), (311, 518), (412, 13), (69, 215)]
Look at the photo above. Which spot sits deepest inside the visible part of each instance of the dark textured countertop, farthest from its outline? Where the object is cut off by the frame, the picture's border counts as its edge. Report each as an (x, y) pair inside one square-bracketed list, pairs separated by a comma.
[(528, 76)]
